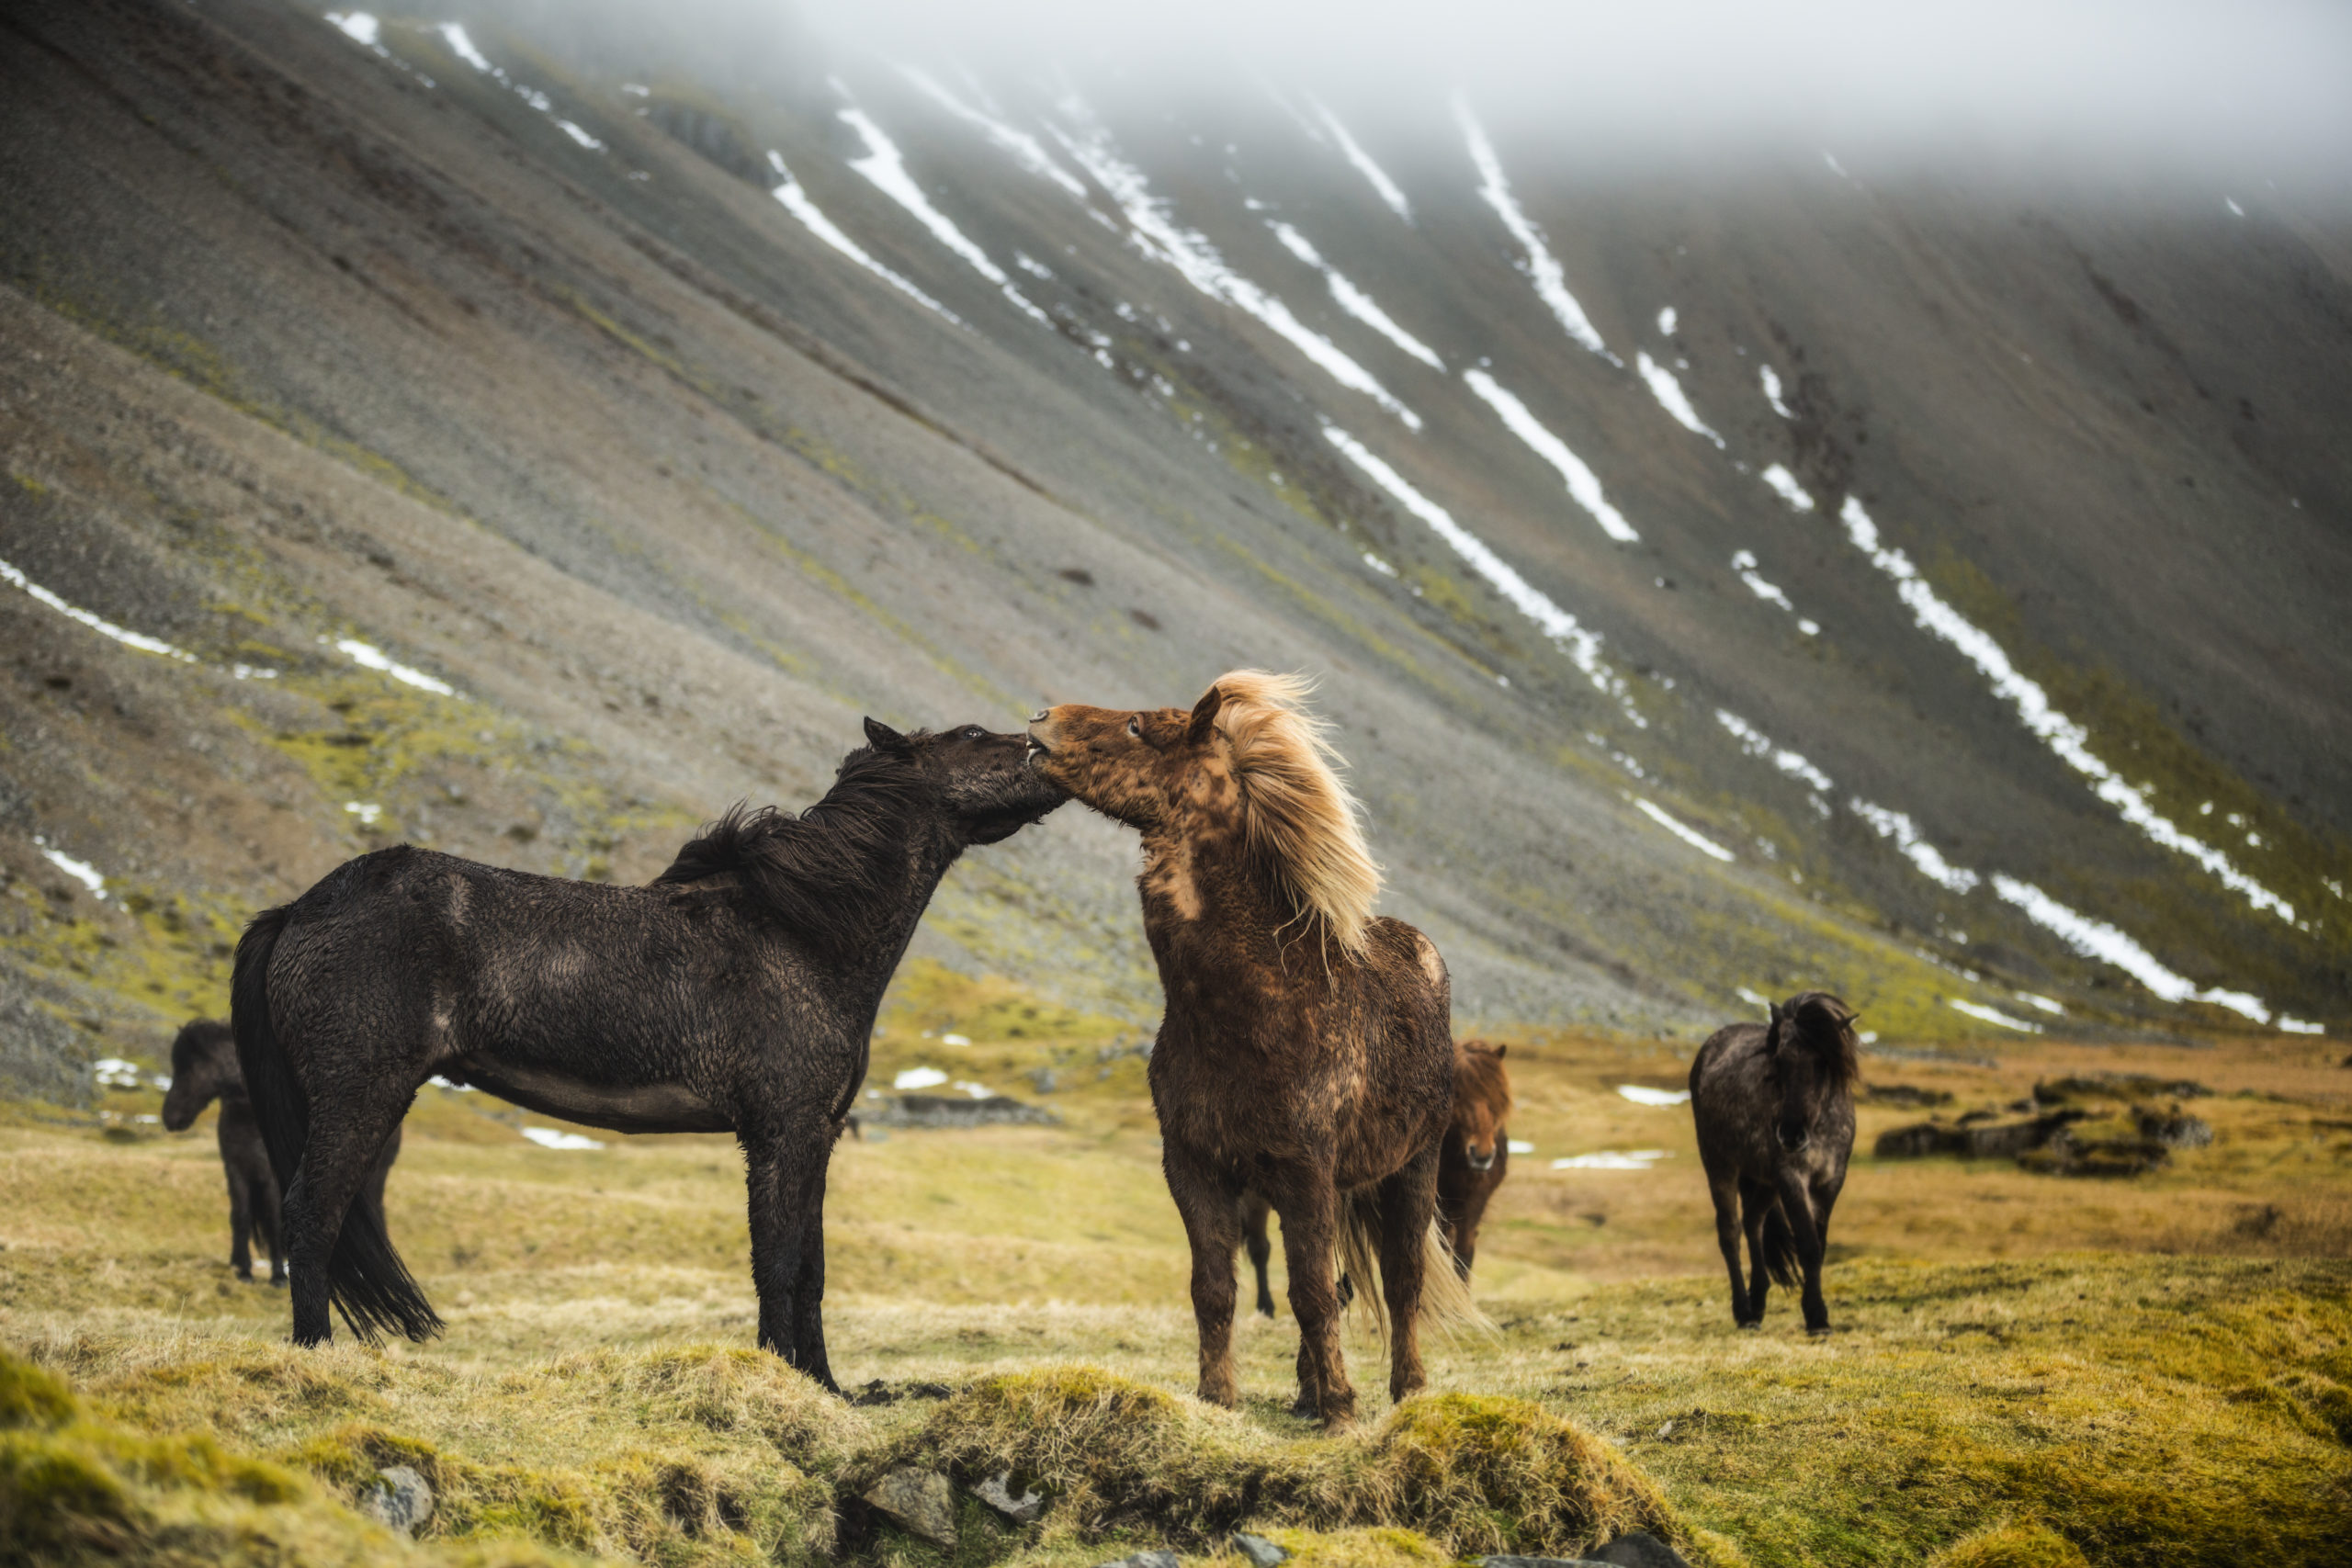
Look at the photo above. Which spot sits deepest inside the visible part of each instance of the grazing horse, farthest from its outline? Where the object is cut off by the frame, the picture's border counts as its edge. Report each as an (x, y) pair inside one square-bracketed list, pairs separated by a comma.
[(1775, 1108), (204, 1068), (1477, 1156), (735, 994), (1306, 1057)]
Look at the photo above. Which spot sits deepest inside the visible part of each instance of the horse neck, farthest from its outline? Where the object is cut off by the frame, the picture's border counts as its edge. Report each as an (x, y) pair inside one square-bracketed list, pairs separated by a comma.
[(911, 862), (1209, 907)]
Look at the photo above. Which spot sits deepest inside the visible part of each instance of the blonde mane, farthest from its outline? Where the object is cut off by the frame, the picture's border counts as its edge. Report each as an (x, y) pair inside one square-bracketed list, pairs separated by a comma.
[(1296, 814)]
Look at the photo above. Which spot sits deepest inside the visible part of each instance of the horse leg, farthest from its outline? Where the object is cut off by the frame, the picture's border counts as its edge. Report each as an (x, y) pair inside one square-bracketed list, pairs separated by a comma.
[(1253, 1236), (1726, 1196), (1407, 1204), (1796, 1204), (269, 1224), (241, 1226), (1758, 1203), (778, 1170), (1212, 1214), (1310, 1212), (808, 1298), (346, 1131)]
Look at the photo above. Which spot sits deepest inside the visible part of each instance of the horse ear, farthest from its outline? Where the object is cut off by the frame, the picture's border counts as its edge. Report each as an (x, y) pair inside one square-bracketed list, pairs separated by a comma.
[(1500, 1052), (1772, 1030), (882, 737), (1196, 733)]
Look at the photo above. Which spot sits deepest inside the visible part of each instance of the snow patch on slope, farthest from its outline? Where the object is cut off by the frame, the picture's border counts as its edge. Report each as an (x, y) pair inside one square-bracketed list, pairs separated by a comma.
[(1543, 269), (1572, 636), (885, 168), (1352, 300), (1584, 485), (795, 202)]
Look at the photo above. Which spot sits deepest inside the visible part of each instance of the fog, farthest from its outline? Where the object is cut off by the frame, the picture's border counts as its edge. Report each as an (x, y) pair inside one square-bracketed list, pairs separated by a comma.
[(2124, 91)]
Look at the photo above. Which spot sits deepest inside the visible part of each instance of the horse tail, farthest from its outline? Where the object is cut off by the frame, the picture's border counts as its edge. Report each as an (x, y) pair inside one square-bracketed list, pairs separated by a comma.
[(1780, 1257), (365, 1279), (1445, 1296)]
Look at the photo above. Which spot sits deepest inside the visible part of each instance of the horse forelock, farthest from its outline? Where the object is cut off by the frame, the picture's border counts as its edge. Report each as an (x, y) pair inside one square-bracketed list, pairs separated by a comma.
[(1479, 1078), (1297, 816), (1825, 1025)]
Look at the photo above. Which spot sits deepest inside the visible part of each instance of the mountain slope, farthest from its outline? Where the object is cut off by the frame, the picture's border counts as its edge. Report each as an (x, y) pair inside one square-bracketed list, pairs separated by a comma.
[(553, 386)]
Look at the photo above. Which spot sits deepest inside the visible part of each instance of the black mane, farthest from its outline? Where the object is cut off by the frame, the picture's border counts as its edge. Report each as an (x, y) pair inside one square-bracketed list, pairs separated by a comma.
[(799, 865), (1824, 1024)]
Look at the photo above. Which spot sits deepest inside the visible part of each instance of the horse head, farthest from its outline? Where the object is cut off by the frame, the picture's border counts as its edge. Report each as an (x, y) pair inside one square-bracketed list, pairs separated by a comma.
[(1481, 1101), (204, 1067), (1811, 1043), (983, 781), (1248, 764)]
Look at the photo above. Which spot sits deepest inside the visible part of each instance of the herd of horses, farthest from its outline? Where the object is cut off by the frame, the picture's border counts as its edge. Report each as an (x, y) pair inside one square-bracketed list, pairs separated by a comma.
[(1305, 1066)]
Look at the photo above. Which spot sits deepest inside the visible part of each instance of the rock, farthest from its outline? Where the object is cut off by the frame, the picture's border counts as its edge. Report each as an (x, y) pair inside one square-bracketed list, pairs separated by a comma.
[(1261, 1553), (2004, 1140), (1144, 1560), (1045, 1080), (997, 1493), (2175, 1129), (1910, 1095), (2117, 1085), (1639, 1550), (959, 1110), (921, 1502), (1508, 1561), (398, 1499)]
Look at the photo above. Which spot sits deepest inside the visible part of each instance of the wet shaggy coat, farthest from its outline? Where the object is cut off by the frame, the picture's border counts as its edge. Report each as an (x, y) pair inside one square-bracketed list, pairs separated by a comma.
[(737, 993), (1774, 1104), (204, 1068), (1477, 1155), (1305, 1058)]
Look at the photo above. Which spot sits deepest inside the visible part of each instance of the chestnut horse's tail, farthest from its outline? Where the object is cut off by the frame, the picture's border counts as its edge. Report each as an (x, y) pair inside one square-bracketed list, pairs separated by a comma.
[(1445, 1296)]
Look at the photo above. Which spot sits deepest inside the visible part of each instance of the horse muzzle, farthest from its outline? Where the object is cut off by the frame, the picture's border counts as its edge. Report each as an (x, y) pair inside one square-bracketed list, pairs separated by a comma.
[(1480, 1161), (1793, 1143)]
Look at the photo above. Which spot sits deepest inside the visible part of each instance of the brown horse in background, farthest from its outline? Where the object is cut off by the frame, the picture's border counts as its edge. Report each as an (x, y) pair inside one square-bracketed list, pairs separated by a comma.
[(1477, 1156), (1775, 1108), (1471, 1164), (1306, 1057)]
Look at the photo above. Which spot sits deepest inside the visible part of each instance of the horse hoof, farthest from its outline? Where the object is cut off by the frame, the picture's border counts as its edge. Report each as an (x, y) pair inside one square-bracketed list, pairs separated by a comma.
[(1304, 1408), (1751, 1323), (1818, 1330)]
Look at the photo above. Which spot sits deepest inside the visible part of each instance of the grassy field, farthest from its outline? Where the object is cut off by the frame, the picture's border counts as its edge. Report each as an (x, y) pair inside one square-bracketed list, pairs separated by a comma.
[(2025, 1369)]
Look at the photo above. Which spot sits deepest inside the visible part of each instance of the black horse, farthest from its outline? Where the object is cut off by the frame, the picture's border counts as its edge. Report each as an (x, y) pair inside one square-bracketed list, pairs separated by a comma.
[(736, 993), (1775, 1108), (204, 1068)]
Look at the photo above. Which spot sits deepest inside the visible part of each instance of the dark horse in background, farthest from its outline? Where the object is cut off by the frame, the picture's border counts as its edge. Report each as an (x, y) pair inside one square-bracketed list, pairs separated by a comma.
[(204, 1068), (735, 994), (1775, 1108), (1306, 1056)]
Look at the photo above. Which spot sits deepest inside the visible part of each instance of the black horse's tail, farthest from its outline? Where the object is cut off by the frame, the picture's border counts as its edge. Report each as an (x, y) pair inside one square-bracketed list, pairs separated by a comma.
[(365, 1279), (1780, 1257)]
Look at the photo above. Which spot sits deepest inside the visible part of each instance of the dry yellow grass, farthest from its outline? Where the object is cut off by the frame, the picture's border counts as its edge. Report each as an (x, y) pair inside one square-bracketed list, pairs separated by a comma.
[(2155, 1370)]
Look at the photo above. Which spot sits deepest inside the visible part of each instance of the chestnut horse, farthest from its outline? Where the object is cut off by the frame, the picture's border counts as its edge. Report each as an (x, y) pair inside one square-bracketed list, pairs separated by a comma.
[(1306, 1056), (1475, 1159), (1477, 1155), (1774, 1104)]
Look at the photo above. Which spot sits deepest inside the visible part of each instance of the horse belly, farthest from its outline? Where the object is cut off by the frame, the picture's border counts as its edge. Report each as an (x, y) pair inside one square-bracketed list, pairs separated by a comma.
[(619, 1108)]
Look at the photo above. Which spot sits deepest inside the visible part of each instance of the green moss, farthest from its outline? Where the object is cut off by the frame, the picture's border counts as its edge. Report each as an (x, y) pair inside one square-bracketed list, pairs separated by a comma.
[(30, 1398)]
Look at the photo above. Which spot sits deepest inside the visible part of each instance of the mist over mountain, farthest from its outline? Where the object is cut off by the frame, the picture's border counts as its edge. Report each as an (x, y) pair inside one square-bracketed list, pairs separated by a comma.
[(1836, 536)]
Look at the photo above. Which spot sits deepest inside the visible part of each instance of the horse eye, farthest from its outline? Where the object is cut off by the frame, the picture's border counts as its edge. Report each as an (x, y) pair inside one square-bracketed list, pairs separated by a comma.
[(974, 732), (1134, 728)]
